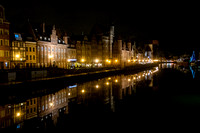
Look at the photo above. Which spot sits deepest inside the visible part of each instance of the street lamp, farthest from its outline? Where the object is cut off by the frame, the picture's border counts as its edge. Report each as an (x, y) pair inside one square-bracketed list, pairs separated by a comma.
[(97, 61), (82, 60), (17, 56), (50, 56)]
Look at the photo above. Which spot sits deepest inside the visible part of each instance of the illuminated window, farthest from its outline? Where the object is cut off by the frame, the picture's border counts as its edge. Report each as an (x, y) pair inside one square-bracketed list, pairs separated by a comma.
[(1, 53)]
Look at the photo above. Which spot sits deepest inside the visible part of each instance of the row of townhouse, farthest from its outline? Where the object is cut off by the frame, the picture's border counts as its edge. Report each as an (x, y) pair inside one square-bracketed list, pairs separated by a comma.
[(32, 49), (37, 47)]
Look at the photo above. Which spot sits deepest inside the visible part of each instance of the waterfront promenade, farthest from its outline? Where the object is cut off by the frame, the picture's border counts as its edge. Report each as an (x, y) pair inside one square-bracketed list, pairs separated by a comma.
[(49, 74)]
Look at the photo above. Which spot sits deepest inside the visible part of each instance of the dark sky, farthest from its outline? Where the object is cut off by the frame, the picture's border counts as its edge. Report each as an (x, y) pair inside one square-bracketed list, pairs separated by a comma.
[(176, 25)]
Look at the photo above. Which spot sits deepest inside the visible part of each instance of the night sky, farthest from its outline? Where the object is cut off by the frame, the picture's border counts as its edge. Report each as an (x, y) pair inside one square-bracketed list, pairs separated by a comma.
[(176, 25)]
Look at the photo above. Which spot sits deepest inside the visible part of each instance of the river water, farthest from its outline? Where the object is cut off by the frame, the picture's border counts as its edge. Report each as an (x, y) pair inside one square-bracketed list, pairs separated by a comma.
[(163, 93)]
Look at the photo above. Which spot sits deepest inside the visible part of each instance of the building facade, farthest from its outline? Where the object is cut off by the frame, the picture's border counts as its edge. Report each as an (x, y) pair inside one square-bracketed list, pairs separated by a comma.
[(123, 53), (4, 41), (30, 54), (17, 56), (95, 50), (51, 51)]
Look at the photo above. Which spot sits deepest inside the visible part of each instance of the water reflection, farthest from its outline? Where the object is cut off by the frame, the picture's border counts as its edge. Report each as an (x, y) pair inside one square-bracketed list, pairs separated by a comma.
[(98, 95)]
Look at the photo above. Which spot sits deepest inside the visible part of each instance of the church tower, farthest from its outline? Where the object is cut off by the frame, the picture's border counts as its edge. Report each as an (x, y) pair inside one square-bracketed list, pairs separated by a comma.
[(54, 37)]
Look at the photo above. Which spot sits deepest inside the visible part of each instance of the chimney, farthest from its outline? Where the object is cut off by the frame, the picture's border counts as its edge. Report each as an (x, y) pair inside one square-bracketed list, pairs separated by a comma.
[(43, 27)]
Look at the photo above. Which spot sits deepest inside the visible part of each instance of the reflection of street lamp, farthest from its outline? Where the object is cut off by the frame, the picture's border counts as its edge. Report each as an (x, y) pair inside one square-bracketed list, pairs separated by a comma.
[(50, 56)]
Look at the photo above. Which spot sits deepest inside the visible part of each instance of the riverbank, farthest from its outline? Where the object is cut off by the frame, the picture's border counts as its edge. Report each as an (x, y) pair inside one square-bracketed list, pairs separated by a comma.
[(69, 77), (49, 85)]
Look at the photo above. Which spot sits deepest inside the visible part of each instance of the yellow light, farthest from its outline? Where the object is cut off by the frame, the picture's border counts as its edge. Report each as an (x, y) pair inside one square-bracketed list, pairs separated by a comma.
[(50, 56), (18, 114), (129, 60), (51, 104), (82, 60), (82, 90), (116, 60), (109, 78), (17, 56), (96, 60), (134, 78), (155, 60), (116, 80), (107, 60), (97, 86), (107, 83), (129, 79), (69, 94), (68, 60)]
